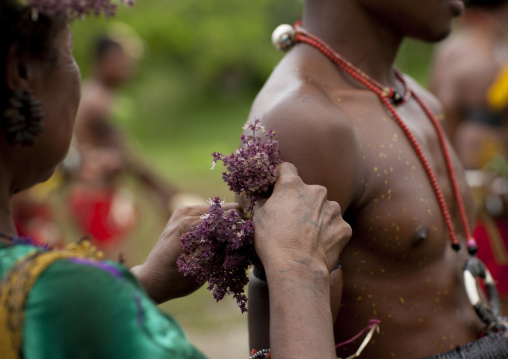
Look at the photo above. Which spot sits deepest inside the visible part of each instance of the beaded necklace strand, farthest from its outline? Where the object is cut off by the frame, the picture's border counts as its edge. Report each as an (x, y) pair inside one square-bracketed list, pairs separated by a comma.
[(386, 96)]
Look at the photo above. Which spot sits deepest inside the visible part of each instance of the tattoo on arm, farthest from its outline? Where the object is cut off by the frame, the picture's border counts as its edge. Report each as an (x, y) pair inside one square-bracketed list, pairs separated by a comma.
[(313, 287)]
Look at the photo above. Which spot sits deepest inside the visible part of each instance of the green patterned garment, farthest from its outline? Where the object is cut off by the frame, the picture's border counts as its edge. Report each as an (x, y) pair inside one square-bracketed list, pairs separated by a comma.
[(81, 308)]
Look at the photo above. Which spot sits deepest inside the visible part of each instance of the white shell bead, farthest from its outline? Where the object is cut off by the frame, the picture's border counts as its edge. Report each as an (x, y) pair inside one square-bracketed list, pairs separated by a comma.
[(283, 37)]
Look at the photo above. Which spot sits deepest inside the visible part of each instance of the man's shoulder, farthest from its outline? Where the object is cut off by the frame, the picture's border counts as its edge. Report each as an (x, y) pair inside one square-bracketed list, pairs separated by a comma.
[(299, 100), (314, 133)]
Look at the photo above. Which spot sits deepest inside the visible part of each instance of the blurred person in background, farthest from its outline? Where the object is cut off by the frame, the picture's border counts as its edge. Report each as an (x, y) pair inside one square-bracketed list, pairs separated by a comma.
[(470, 77), (58, 303), (102, 206)]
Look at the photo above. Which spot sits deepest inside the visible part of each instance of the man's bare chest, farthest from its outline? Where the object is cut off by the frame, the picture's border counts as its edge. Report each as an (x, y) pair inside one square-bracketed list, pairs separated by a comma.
[(398, 212)]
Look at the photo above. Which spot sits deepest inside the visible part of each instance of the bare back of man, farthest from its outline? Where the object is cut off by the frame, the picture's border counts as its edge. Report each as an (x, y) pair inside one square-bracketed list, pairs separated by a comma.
[(399, 266)]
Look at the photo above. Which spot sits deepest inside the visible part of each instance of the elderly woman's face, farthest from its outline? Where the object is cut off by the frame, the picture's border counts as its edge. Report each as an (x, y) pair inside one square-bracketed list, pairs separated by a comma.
[(57, 86)]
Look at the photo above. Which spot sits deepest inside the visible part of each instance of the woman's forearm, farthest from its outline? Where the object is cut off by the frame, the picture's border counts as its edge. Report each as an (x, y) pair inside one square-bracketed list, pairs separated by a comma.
[(301, 324)]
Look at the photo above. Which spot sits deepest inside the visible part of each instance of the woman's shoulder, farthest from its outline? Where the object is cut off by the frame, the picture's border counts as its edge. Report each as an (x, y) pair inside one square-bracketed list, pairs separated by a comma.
[(95, 307), (10, 254), (105, 311)]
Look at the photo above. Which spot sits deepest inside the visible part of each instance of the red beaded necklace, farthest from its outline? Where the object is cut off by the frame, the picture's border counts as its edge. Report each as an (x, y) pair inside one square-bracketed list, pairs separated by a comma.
[(387, 96)]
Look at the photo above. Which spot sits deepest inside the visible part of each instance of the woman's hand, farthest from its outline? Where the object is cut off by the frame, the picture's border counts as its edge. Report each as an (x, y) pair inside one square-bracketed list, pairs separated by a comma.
[(299, 235), (159, 274), (297, 223)]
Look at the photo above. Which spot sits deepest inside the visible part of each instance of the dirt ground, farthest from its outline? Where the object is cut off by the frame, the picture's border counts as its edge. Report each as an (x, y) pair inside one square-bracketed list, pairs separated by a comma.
[(214, 328), (232, 342)]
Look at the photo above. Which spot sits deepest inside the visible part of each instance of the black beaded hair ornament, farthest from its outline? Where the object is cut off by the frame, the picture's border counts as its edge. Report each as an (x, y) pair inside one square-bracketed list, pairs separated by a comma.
[(22, 120)]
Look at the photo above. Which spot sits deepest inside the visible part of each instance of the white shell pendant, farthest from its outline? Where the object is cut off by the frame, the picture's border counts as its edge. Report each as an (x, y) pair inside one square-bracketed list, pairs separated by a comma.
[(283, 37)]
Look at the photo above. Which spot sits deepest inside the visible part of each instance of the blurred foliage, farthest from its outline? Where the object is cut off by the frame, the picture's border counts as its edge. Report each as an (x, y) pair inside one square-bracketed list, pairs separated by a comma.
[(200, 55), (203, 64), (414, 59), (194, 51)]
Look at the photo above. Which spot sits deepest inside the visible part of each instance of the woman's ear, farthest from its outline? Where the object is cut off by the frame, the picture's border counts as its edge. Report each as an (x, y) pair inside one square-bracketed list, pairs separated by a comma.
[(22, 117), (17, 69)]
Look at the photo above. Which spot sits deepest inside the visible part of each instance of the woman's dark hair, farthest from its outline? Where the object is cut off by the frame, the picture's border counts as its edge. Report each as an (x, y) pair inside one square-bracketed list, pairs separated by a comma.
[(33, 35), (484, 3)]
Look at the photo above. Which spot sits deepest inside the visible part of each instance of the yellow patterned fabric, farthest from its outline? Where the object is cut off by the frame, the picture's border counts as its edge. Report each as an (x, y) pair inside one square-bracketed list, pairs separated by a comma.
[(16, 285)]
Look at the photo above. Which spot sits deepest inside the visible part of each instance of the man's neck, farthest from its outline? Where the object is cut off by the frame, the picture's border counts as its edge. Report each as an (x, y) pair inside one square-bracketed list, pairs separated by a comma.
[(357, 36)]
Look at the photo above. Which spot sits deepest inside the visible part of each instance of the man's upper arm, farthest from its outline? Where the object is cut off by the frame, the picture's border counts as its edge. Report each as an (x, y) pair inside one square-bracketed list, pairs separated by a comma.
[(319, 140)]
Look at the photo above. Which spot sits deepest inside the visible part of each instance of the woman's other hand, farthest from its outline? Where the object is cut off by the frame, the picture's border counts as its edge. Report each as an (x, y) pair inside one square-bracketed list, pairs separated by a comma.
[(159, 274)]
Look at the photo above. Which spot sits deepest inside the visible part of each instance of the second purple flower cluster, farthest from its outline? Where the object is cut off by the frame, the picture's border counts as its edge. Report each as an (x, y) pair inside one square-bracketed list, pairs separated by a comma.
[(221, 248)]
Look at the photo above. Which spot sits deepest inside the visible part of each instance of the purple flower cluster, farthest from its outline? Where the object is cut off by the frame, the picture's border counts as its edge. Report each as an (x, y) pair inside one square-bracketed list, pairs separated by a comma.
[(221, 248), (220, 252), (75, 8), (251, 169)]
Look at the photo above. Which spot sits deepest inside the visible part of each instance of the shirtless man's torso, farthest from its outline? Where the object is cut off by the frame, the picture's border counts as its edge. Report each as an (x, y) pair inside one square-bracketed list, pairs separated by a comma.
[(399, 266)]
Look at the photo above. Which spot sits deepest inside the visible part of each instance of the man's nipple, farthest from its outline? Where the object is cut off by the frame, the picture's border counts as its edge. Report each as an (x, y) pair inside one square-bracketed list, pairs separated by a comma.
[(420, 237)]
